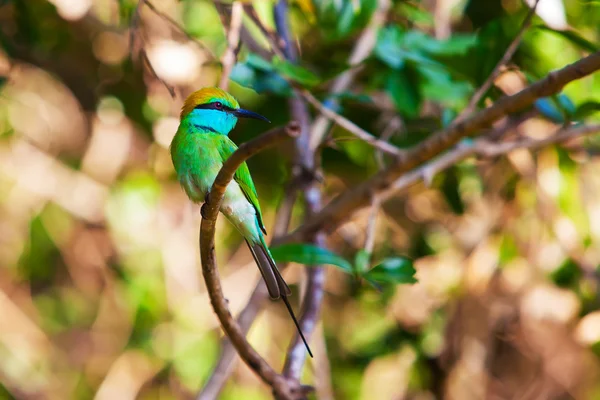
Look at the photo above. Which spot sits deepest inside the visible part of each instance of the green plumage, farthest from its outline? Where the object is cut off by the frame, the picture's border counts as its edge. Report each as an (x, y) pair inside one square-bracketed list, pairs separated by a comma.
[(198, 151)]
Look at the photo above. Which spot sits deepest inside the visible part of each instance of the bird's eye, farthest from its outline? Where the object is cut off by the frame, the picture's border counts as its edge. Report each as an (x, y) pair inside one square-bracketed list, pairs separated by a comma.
[(218, 105)]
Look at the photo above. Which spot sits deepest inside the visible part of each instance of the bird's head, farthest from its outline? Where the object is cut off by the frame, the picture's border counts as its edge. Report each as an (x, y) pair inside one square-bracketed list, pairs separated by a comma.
[(215, 109)]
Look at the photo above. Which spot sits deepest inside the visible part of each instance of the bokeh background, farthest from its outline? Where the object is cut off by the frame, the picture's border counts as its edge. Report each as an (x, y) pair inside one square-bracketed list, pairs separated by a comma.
[(101, 294)]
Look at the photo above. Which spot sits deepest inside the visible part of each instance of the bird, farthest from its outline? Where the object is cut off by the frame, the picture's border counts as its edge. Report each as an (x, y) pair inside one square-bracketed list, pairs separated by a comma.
[(198, 150)]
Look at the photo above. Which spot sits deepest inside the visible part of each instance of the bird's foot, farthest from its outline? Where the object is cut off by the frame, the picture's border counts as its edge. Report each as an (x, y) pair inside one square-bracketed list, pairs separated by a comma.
[(203, 210)]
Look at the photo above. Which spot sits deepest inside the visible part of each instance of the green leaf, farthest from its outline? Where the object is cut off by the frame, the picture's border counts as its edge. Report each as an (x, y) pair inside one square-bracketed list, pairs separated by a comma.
[(404, 91), (295, 72), (573, 37), (259, 63), (361, 261), (309, 254), (415, 14), (394, 47), (394, 270), (258, 74), (439, 85), (455, 45), (586, 109), (389, 47), (349, 12)]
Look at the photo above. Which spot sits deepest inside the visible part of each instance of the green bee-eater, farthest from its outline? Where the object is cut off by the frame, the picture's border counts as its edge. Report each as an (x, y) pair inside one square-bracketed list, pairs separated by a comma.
[(198, 151)]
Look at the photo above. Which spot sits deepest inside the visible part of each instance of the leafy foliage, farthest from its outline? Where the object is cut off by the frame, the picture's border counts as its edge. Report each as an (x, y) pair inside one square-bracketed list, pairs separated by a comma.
[(98, 249), (390, 271), (308, 254)]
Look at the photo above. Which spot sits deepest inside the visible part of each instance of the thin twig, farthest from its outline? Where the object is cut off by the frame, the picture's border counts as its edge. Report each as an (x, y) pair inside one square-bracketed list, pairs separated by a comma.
[(508, 54), (488, 149), (282, 387), (271, 38), (176, 25), (345, 204), (170, 88), (350, 126), (484, 148), (233, 38), (133, 26), (362, 49), (142, 52)]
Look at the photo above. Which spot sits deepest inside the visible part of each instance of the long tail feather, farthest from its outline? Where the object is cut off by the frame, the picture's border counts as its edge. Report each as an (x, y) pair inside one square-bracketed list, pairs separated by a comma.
[(275, 283), (289, 307)]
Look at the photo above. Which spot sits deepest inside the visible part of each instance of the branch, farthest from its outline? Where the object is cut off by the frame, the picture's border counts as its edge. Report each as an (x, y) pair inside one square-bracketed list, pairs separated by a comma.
[(510, 51), (486, 149), (363, 48), (350, 126), (233, 39), (246, 317), (135, 19), (352, 200), (282, 387), (227, 359)]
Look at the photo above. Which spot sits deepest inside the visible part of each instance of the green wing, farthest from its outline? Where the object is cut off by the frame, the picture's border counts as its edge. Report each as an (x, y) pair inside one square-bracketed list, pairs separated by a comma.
[(242, 177)]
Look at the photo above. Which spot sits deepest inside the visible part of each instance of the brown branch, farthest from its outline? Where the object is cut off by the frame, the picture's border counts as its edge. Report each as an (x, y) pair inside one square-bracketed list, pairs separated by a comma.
[(233, 38), (246, 317), (484, 148), (350, 126), (508, 54), (352, 200), (487, 149), (282, 387), (228, 357)]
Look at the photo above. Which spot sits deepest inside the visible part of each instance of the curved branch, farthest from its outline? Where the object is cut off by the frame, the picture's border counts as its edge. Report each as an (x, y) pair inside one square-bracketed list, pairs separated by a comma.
[(352, 200), (246, 317), (282, 387)]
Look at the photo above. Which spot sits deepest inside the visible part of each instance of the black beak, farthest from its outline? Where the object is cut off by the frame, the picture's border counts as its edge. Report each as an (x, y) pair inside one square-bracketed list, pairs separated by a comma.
[(241, 113)]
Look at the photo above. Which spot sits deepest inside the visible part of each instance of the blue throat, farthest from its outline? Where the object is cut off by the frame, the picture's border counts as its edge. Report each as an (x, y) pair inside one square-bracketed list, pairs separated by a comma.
[(213, 121)]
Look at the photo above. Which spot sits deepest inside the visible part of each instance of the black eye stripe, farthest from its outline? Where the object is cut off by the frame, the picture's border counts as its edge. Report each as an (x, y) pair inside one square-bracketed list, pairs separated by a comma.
[(213, 106)]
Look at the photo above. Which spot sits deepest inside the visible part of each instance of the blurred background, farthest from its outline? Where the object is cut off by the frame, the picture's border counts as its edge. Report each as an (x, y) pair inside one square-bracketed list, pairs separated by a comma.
[(101, 294)]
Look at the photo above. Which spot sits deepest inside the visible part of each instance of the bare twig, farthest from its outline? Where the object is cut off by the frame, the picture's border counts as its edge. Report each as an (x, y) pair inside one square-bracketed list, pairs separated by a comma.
[(282, 387), (269, 35), (508, 54), (350, 126), (350, 201), (486, 149), (233, 39), (363, 48), (170, 88), (133, 26), (176, 25), (142, 52)]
